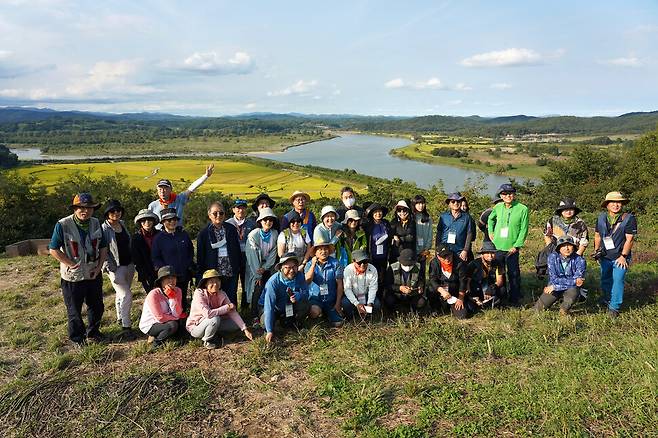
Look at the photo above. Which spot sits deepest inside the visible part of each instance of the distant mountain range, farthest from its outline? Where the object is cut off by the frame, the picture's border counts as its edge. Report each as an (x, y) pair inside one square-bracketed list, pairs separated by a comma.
[(635, 122)]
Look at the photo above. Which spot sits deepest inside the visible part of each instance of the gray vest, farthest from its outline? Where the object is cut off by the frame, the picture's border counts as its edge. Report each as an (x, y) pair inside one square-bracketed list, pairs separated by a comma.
[(85, 254)]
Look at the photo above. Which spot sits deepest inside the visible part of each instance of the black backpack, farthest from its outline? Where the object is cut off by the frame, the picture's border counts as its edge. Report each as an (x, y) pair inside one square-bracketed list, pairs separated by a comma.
[(541, 262)]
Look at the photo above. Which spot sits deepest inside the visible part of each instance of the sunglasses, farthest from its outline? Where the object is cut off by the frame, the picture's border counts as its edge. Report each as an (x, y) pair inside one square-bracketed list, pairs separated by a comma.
[(114, 211), (452, 201), (217, 213), (361, 263), (295, 222), (506, 193)]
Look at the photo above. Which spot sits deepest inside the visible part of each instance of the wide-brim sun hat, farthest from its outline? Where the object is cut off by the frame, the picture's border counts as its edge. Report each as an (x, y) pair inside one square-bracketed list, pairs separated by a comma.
[(567, 204), (456, 196), (210, 273), (487, 247), (168, 213), (320, 243), (297, 193), (564, 240), (614, 197), (326, 210), (84, 200), (113, 204), (261, 197), (402, 204), (265, 213), (359, 255), (374, 207), (163, 272), (284, 258), (351, 214), (144, 214)]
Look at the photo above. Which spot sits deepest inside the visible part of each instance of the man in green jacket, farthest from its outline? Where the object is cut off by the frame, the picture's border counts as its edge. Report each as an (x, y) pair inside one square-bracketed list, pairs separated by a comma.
[(508, 229)]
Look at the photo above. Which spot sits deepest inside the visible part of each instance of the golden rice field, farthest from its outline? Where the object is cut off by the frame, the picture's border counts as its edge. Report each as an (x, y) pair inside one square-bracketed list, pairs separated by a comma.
[(234, 178)]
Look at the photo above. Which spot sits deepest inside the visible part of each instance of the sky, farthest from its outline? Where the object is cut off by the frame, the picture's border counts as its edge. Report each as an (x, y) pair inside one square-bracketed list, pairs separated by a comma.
[(214, 58)]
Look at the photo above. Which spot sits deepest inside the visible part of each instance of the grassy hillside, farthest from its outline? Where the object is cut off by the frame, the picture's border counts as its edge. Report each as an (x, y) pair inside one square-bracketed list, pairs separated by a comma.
[(504, 373)]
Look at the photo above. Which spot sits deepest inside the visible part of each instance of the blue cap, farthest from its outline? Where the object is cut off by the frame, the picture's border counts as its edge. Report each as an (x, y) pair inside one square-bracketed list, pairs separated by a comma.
[(508, 188), (456, 196), (240, 203)]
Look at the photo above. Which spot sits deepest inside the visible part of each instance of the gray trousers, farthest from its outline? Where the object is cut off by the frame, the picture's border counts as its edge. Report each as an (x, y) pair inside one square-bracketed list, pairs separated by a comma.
[(569, 298), (208, 328)]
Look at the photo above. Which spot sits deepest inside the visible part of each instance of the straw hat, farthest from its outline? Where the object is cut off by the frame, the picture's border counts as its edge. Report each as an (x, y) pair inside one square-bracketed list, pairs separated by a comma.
[(614, 196)]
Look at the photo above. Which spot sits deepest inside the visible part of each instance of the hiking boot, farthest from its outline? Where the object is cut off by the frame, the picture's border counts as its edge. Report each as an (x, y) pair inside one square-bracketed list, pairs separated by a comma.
[(77, 345), (96, 338), (150, 339), (612, 313), (564, 312)]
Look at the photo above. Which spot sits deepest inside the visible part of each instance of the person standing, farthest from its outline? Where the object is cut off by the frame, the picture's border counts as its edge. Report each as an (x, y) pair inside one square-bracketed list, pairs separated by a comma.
[(244, 225), (403, 231), (455, 228), (78, 245), (352, 239), (378, 234), (484, 218), (141, 244), (173, 247), (566, 222), (119, 264), (299, 200), (168, 199), (262, 201), (508, 229), (294, 239), (613, 242), (348, 199), (424, 230), (261, 257), (218, 247)]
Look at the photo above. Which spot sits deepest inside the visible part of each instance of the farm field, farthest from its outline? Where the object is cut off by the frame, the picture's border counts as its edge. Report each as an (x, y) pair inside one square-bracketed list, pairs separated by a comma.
[(231, 177)]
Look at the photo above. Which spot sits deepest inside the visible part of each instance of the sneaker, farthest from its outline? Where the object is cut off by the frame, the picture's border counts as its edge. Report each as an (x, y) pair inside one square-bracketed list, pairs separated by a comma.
[(612, 313), (150, 339), (209, 345), (96, 339), (255, 324)]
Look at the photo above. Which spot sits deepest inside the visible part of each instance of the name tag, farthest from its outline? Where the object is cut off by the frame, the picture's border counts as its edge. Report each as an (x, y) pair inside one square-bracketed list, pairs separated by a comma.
[(504, 232), (608, 243), (368, 309), (289, 310), (452, 237), (324, 289), (452, 300), (379, 250), (420, 241), (222, 252)]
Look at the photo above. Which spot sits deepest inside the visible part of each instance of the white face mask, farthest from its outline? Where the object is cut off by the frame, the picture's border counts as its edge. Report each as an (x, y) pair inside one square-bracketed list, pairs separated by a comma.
[(406, 268), (349, 202)]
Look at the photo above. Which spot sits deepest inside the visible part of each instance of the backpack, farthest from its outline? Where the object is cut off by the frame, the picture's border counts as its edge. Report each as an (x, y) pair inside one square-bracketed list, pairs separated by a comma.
[(541, 261)]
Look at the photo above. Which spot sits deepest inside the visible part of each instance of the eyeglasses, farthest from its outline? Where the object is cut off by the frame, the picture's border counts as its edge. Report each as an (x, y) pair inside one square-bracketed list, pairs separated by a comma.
[(295, 222), (268, 219), (453, 201), (171, 219), (217, 213), (114, 211), (506, 194)]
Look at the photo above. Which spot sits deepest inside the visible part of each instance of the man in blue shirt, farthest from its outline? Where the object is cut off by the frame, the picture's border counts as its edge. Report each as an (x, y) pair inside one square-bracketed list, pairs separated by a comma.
[(613, 241), (455, 228), (285, 296), (325, 275)]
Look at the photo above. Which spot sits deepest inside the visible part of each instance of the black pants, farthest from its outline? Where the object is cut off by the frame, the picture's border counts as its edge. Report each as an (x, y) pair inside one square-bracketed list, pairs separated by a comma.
[(241, 276), (255, 297), (438, 303), (162, 331), (411, 302), (182, 282), (569, 298), (381, 266), (75, 294)]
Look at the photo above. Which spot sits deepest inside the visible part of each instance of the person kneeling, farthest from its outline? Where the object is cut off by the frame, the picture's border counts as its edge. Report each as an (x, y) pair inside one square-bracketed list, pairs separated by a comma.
[(485, 278), (360, 286), (566, 274), (285, 297), (404, 282), (209, 305), (325, 277), (163, 308), (448, 282)]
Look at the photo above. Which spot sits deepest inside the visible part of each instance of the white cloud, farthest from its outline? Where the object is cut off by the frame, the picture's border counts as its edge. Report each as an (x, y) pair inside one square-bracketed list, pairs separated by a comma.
[(432, 83), (251, 105), (210, 63), (395, 83), (501, 86), (106, 76), (630, 61), (505, 58), (299, 88), (22, 94)]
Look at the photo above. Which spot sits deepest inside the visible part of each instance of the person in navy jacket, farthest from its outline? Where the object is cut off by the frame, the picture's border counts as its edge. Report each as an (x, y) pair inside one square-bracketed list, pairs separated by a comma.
[(218, 247)]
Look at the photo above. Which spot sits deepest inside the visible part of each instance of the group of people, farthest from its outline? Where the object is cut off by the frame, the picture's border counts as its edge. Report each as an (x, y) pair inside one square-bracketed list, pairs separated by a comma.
[(349, 262)]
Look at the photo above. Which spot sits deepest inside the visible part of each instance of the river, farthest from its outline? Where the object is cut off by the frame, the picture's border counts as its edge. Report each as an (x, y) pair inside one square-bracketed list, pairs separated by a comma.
[(367, 154)]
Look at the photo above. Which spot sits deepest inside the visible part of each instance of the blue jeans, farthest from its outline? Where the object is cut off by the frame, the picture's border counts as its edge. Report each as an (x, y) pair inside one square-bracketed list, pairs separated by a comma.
[(328, 308), (511, 263), (612, 283)]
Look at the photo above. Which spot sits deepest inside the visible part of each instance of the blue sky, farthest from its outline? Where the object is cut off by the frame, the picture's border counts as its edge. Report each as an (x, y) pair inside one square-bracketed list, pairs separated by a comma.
[(357, 57)]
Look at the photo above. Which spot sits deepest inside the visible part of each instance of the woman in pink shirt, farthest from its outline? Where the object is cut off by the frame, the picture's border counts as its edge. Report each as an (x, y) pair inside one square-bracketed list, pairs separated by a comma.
[(210, 307), (162, 308)]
